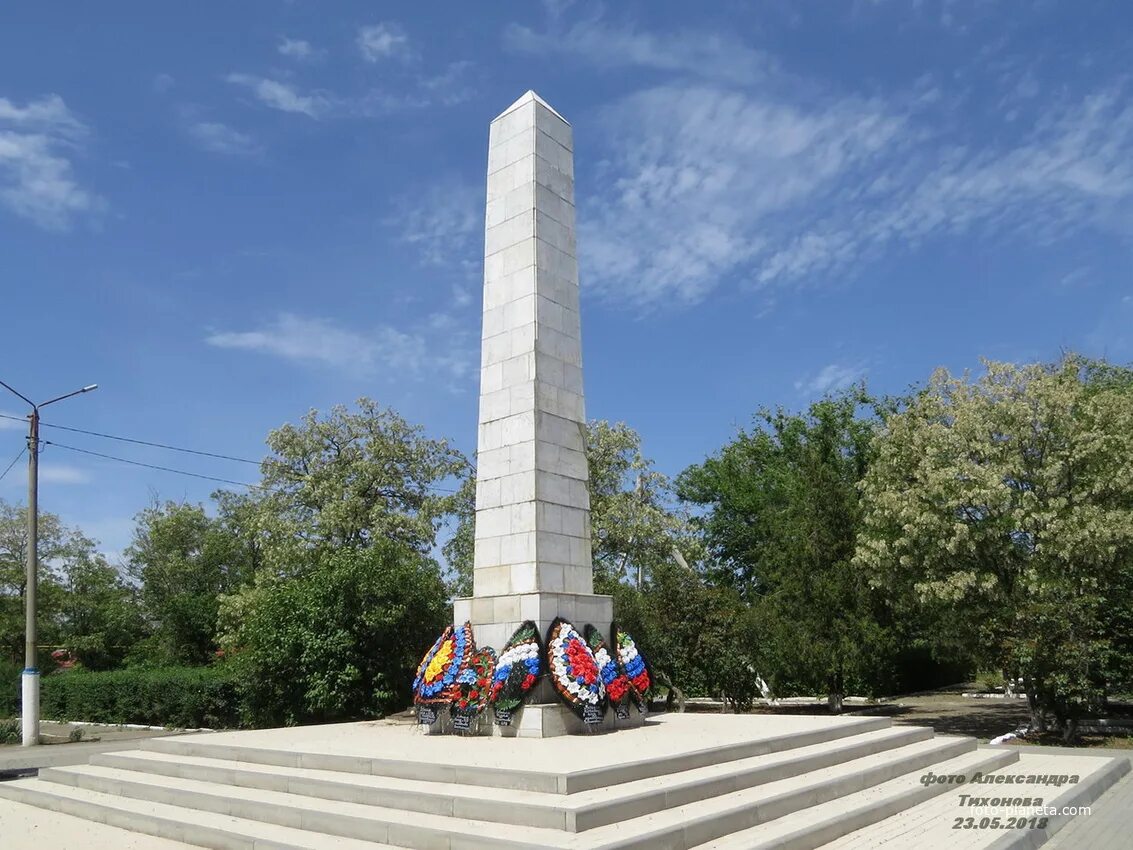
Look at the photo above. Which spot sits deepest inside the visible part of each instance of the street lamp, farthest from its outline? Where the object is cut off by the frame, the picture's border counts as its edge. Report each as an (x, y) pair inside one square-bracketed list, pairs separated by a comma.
[(30, 679)]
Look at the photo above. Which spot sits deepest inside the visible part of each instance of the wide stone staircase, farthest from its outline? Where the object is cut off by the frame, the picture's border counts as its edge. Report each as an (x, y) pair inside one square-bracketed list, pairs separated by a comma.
[(799, 788)]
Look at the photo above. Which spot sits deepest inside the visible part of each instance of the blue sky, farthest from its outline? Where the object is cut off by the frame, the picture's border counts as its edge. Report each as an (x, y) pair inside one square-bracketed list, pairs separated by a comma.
[(227, 214)]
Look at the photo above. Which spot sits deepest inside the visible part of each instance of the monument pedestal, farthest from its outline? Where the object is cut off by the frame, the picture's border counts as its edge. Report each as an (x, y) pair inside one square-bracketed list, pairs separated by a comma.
[(540, 720), (495, 618), (550, 720)]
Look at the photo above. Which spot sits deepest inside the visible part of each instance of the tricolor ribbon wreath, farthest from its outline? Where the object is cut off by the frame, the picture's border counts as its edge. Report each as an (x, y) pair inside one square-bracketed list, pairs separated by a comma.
[(574, 671), (435, 683), (635, 666), (518, 669), (587, 673), (609, 670)]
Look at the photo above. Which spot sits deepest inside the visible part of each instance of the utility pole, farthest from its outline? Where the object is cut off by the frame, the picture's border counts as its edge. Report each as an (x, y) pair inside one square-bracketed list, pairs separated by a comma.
[(29, 691), (29, 709)]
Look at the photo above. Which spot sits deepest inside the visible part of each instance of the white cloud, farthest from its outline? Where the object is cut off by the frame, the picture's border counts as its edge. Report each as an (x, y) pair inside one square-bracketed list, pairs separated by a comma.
[(608, 46), (163, 83), (461, 295), (444, 222), (382, 41), (219, 138), (1073, 171), (50, 473), (36, 175), (50, 114), (322, 342), (283, 96), (450, 87), (701, 179), (295, 48), (831, 378), (705, 183)]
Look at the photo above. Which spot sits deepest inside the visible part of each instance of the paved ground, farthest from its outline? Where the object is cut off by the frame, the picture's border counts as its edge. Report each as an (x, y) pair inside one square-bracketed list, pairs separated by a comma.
[(1109, 825), (951, 713), (663, 735), (946, 710), (96, 739), (30, 828), (934, 823)]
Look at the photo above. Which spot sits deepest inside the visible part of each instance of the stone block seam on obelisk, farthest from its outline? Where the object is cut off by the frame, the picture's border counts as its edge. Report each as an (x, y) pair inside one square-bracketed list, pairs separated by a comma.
[(532, 501), (532, 544)]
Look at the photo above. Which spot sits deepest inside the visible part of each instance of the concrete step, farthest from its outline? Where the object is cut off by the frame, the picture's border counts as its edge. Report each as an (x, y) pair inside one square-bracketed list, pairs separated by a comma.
[(623, 770), (604, 806), (175, 823), (331, 817), (523, 808), (572, 812), (700, 822), (677, 826), (819, 824)]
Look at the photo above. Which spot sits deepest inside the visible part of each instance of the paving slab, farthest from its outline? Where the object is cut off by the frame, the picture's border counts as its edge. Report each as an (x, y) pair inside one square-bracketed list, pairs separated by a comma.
[(1110, 821), (671, 735), (97, 738), (950, 820), (24, 827)]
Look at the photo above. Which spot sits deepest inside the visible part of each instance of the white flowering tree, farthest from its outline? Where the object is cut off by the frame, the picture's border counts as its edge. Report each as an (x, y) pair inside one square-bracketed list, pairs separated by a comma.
[(999, 509)]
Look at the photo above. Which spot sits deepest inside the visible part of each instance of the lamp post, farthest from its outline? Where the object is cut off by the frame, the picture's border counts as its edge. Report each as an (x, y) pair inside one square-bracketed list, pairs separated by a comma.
[(30, 680)]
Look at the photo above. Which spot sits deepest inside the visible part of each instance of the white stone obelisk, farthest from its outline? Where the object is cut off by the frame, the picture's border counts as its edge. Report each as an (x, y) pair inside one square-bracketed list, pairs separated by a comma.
[(532, 558)]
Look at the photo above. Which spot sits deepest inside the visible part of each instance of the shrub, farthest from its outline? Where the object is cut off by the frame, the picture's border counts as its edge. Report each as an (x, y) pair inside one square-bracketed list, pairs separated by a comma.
[(340, 643), (181, 697), (10, 673), (10, 732)]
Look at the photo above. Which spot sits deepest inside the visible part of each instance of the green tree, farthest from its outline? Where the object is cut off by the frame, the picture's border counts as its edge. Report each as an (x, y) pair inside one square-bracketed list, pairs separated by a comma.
[(459, 549), (699, 636), (100, 618), (58, 546), (1000, 511), (348, 480), (183, 559), (782, 511), (339, 642), (637, 524)]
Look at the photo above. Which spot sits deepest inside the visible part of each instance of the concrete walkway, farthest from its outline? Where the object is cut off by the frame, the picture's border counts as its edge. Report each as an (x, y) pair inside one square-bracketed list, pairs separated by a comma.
[(109, 739), (1111, 822), (24, 827)]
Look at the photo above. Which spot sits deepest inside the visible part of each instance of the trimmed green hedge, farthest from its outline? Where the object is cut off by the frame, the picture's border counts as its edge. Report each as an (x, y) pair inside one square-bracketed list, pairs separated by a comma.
[(10, 673), (182, 697)]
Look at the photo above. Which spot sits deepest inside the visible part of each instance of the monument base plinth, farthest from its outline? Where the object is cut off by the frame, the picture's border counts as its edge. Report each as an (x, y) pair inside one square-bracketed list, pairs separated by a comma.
[(550, 720), (538, 720), (494, 620)]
